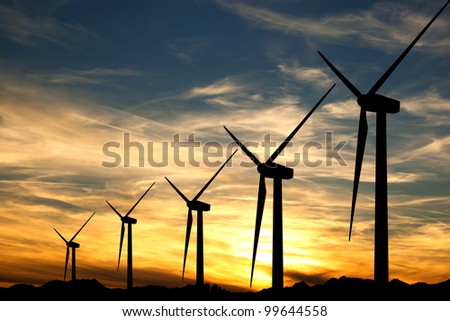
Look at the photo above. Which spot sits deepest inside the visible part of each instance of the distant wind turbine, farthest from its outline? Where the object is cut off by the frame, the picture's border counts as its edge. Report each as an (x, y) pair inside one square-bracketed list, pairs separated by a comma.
[(74, 246), (200, 207), (126, 219), (380, 105), (277, 172)]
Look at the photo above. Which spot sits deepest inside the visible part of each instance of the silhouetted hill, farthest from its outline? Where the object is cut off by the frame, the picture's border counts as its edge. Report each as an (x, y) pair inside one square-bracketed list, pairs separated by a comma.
[(341, 289)]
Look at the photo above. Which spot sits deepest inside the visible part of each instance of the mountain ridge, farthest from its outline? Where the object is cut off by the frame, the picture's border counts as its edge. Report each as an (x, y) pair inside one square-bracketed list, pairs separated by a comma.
[(334, 289)]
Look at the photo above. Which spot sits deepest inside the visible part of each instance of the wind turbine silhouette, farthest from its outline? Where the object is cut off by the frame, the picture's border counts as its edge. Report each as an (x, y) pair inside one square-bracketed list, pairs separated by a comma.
[(380, 105), (277, 172), (126, 219), (74, 246), (200, 207)]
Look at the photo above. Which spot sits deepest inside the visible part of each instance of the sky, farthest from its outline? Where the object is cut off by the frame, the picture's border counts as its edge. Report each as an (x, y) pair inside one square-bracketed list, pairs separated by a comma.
[(99, 99)]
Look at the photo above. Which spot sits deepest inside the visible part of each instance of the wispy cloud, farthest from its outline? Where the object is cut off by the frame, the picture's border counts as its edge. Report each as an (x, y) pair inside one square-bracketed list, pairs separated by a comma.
[(430, 106), (306, 74), (390, 25), (225, 86), (94, 76), (266, 18), (27, 28)]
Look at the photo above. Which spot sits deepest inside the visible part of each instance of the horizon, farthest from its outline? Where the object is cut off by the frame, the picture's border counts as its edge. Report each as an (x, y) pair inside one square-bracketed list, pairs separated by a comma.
[(229, 288), (83, 81)]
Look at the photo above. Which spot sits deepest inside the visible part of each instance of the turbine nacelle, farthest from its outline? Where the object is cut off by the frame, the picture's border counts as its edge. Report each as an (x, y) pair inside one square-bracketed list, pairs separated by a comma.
[(274, 170), (128, 220), (198, 206), (73, 245), (378, 103)]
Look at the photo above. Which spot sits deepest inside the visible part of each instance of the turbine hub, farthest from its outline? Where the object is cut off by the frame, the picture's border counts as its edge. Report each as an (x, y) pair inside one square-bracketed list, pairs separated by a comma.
[(274, 170), (378, 103), (199, 206)]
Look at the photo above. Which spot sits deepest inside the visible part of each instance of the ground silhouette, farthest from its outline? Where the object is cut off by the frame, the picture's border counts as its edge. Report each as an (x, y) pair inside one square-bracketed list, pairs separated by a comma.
[(342, 289)]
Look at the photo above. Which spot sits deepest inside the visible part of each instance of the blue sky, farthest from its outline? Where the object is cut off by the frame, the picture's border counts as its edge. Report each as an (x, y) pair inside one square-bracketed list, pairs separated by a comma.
[(78, 74)]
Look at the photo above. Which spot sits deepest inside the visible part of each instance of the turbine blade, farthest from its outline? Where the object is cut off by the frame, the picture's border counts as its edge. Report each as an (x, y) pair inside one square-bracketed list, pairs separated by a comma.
[(188, 235), (288, 139), (346, 82), (60, 235), (117, 212), (212, 178), (131, 209), (177, 190), (244, 149), (122, 233), (81, 228), (388, 72), (362, 136), (259, 216), (67, 261)]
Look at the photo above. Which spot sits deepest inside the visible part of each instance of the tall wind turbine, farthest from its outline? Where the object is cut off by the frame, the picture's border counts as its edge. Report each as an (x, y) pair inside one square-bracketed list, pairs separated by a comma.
[(74, 246), (277, 172), (380, 105), (200, 207), (126, 219)]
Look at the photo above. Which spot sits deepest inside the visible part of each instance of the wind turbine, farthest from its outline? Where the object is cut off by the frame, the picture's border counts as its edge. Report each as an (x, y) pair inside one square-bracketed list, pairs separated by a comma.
[(126, 219), (74, 246), (380, 105), (277, 172), (200, 207)]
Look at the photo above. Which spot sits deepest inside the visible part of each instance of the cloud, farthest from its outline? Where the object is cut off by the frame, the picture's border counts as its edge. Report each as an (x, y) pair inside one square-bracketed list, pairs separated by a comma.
[(227, 92), (55, 203), (347, 109), (224, 86), (390, 25), (404, 177), (306, 74), (27, 28), (96, 76), (266, 18), (429, 105), (427, 157)]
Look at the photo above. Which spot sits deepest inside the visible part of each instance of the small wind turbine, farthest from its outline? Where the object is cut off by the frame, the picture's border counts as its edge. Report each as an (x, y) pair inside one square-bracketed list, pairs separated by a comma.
[(200, 207), (380, 105), (277, 172), (74, 246), (126, 219)]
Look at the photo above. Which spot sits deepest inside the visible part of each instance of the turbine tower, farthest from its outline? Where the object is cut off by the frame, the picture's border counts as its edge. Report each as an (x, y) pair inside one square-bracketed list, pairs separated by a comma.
[(277, 172), (380, 105), (200, 207), (74, 246), (126, 219)]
